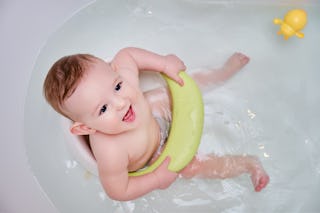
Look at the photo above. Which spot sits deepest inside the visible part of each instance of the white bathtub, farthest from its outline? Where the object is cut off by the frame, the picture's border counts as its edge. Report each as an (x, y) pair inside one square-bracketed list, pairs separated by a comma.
[(25, 27), (286, 140)]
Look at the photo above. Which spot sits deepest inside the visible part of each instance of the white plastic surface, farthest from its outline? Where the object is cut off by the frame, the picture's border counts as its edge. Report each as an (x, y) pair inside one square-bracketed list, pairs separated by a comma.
[(25, 27)]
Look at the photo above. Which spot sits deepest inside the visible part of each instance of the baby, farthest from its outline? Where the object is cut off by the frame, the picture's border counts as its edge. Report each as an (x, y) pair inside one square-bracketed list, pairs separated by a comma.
[(127, 126)]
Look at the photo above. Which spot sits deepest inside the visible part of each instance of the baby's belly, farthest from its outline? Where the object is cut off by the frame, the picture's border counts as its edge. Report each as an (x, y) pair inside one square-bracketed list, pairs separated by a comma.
[(141, 162), (142, 150)]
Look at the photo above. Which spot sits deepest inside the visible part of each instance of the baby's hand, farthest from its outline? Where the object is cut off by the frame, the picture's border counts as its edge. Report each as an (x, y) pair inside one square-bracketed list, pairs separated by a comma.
[(164, 175), (173, 66)]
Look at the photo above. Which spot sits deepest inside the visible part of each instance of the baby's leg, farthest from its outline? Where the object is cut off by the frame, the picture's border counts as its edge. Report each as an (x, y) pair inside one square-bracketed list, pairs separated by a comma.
[(211, 77), (211, 166)]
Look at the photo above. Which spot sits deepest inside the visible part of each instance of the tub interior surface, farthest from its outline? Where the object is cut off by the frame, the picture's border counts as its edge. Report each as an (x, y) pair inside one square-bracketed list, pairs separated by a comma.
[(23, 34), (269, 109)]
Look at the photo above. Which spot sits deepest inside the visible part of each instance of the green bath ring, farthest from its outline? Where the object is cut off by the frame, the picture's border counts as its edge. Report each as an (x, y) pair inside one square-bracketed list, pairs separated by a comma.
[(186, 127)]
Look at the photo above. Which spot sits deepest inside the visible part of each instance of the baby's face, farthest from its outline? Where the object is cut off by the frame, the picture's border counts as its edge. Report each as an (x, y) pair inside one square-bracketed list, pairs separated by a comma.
[(106, 101)]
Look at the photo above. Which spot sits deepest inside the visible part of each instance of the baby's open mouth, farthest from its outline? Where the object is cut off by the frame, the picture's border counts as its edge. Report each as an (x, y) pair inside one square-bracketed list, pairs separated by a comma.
[(129, 116)]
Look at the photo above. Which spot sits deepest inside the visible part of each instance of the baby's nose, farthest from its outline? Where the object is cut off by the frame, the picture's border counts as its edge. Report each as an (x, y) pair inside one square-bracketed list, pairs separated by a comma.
[(119, 102)]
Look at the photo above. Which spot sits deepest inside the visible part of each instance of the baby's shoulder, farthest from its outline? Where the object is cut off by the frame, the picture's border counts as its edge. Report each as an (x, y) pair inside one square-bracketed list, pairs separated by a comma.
[(106, 148)]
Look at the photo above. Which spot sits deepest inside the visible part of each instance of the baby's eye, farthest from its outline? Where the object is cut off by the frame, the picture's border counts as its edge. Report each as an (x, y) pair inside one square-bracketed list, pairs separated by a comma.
[(103, 109), (118, 86)]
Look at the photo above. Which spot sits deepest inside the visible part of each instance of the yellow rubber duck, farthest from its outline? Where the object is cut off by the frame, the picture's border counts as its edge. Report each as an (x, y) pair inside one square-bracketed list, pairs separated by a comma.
[(293, 22)]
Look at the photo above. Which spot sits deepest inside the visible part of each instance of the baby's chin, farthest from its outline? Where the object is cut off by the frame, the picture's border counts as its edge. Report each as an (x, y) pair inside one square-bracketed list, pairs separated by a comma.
[(120, 130)]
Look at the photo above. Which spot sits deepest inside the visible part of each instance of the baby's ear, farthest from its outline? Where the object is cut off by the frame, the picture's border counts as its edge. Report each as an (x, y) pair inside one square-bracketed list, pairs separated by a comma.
[(78, 128)]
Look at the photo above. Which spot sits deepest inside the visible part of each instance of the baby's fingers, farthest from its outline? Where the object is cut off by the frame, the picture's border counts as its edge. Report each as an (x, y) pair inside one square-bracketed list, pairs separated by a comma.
[(178, 79), (166, 162)]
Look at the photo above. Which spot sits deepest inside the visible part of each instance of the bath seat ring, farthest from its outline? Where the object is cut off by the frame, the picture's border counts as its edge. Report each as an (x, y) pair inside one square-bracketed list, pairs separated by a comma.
[(184, 137)]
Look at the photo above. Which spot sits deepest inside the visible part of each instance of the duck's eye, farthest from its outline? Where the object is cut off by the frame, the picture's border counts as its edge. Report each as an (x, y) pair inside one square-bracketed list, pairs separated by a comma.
[(118, 86), (103, 109)]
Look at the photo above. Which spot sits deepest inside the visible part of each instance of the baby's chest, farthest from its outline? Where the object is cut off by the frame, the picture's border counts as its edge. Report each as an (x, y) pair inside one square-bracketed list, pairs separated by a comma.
[(160, 103)]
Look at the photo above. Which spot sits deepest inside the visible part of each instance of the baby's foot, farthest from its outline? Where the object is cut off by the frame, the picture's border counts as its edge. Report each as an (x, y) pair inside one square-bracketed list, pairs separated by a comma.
[(259, 180), (235, 62), (259, 177)]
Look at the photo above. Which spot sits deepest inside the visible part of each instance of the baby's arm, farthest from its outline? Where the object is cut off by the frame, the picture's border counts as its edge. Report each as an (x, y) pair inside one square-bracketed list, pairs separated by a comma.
[(145, 60), (113, 174)]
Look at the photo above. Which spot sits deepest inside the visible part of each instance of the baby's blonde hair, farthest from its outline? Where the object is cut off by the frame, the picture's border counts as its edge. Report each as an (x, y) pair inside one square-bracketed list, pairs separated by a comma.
[(63, 78)]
